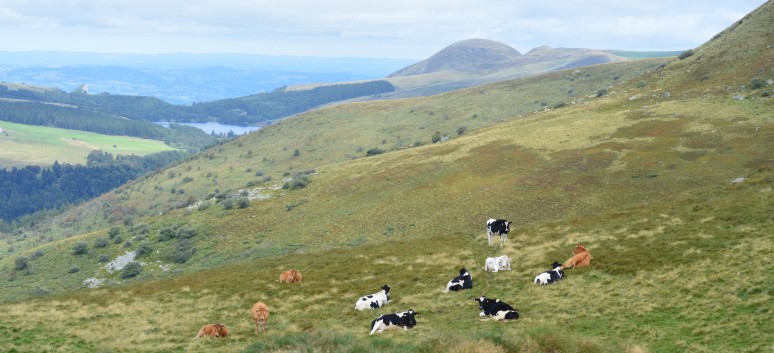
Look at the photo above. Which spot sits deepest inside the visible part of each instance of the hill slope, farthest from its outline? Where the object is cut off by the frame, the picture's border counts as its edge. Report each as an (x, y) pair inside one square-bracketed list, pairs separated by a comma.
[(642, 177)]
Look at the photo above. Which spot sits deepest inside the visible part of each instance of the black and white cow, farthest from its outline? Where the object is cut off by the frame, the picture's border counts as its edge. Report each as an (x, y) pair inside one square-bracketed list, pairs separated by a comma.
[(373, 301), (463, 281), (496, 309), (499, 227), (404, 320), (550, 276)]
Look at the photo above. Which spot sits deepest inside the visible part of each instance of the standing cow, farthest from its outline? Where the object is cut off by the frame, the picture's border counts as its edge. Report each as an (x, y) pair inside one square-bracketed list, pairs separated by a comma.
[(404, 320), (496, 309), (373, 301), (260, 317), (499, 227), (550, 276), (463, 281)]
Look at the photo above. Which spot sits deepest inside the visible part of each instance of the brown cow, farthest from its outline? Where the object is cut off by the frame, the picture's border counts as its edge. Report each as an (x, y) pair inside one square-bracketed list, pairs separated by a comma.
[(260, 316), (213, 330), (290, 276), (580, 258)]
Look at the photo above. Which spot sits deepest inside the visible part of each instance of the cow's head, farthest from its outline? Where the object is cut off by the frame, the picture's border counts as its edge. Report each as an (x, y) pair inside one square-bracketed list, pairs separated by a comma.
[(221, 330), (555, 265), (386, 289), (409, 317), (507, 226), (463, 271), (579, 249), (482, 300)]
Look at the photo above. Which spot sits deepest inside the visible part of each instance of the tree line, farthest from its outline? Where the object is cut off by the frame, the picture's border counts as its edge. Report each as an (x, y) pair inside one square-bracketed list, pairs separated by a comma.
[(258, 108), (31, 189)]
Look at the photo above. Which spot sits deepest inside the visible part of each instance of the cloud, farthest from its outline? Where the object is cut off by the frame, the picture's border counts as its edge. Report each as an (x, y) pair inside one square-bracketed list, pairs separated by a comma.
[(399, 28)]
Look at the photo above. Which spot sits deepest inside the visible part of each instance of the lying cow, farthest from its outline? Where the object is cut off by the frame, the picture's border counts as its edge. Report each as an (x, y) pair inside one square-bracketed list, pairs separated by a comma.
[(499, 227), (580, 257), (290, 276), (260, 313), (496, 309), (213, 330), (550, 276), (373, 301), (494, 264), (463, 281), (404, 320)]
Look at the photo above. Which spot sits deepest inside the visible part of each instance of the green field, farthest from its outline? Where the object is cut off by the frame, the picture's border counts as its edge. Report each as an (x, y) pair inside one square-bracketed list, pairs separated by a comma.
[(22, 145)]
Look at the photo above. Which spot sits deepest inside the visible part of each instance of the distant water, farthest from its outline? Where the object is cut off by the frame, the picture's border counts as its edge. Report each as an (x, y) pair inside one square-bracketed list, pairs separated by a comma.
[(217, 128)]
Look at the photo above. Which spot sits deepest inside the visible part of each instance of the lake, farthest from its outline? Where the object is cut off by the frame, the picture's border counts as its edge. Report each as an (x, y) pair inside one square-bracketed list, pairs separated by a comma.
[(218, 128)]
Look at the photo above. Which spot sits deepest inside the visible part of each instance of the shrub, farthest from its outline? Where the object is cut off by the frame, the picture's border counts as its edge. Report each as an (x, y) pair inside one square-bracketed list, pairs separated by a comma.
[(296, 153), (436, 137), (113, 232), (118, 240), (104, 258), (21, 263), (166, 233), (461, 130), (81, 248), (131, 269), (73, 270), (203, 206), (374, 151), (294, 184), (757, 83), (243, 202), (602, 92), (36, 254), (143, 250), (685, 54), (187, 179), (559, 105), (228, 204), (101, 242), (186, 233), (183, 252)]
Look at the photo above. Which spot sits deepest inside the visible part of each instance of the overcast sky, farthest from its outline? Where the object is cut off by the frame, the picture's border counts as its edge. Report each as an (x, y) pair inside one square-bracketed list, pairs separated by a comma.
[(409, 29)]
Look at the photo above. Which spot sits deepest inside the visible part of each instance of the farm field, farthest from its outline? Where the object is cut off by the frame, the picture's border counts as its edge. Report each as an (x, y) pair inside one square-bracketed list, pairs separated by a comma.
[(22, 145)]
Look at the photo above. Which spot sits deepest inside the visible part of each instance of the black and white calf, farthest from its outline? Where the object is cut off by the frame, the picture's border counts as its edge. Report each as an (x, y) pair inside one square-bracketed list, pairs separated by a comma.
[(463, 281), (373, 301), (499, 227), (404, 320), (550, 276), (496, 309)]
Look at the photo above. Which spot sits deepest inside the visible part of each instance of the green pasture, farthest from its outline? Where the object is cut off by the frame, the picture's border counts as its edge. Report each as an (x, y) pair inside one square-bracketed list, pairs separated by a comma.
[(22, 145)]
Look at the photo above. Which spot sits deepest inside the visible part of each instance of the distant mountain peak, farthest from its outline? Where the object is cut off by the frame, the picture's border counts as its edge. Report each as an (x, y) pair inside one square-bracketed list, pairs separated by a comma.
[(467, 55)]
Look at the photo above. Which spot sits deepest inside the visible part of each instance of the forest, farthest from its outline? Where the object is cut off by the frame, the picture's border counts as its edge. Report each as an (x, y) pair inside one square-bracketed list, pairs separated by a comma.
[(65, 109), (32, 189)]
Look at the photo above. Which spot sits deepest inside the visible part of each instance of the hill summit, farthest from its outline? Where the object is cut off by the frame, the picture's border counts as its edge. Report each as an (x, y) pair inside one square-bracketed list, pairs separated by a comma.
[(466, 55)]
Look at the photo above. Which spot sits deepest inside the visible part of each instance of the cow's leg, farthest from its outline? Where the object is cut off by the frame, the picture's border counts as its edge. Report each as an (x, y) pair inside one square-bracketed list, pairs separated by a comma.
[(490, 237)]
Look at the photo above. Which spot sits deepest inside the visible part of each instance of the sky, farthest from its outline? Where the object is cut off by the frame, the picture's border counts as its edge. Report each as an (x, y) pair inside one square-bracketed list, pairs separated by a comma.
[(402, 29)]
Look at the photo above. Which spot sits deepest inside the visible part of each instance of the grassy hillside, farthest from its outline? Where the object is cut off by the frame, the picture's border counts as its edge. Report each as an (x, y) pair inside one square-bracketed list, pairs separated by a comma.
[(328, 136), (642, 175), (22, 145)]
